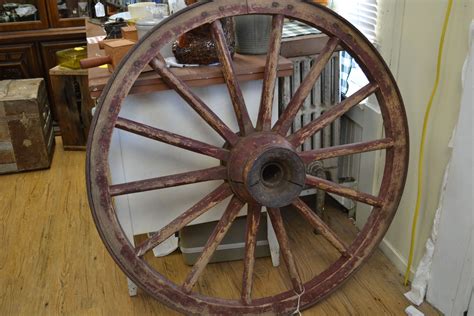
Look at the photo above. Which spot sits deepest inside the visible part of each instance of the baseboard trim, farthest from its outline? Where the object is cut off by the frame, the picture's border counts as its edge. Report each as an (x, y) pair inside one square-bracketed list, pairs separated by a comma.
[(395, 257)]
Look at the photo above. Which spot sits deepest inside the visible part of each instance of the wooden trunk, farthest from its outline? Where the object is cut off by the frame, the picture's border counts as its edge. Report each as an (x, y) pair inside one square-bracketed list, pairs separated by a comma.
[(26, 134)]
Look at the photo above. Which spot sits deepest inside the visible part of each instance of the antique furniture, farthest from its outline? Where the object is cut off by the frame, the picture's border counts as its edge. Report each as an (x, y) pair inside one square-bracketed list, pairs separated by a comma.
[(27, 48), (257, 165), (11, 21), (74, 105), (26, 133)]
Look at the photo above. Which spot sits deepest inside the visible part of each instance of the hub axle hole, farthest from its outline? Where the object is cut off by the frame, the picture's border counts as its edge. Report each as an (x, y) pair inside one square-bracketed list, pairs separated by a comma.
[(272, 174)]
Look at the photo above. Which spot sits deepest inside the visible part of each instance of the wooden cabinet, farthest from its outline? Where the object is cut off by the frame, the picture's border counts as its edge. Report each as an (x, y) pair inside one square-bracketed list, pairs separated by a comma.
[(67, 13), (28, 45), (19, 62), (25, 15), (33, 16)]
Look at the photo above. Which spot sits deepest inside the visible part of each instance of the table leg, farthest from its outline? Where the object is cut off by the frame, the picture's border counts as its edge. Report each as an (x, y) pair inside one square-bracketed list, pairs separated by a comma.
[(273, 243)]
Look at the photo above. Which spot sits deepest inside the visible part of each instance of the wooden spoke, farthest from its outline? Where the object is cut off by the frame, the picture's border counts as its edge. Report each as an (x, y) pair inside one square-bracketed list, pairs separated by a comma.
[(270, 76), (320, 225), (235, 205), (243, 118), (329, 116), (208, 202), (253, 221), (344, 150), (193, 100), (286, 119), (282, 237), (338, 189), (172, 139), (216, 173)]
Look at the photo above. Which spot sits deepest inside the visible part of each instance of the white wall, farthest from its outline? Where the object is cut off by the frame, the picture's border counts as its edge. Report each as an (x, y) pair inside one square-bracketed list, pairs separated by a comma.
[(451, 280), (410, 47)]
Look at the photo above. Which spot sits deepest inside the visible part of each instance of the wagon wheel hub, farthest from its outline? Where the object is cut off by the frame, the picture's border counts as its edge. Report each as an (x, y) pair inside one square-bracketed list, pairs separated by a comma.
[(264, 168)]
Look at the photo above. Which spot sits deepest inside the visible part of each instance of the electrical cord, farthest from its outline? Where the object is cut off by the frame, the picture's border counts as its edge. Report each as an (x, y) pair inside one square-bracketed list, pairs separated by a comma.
[(423, 139)]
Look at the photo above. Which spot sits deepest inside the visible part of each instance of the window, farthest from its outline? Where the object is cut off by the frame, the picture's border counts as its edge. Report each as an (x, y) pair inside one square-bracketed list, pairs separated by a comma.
[(364, 15)]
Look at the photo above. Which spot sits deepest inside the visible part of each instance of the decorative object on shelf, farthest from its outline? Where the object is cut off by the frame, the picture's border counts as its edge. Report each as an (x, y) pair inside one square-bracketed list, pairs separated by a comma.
[(99, 9), (114, 29), (26, 12), (115, 50), (26, 129), (198, 46), (121, 15), (16, 12), (83, 7), (258, 166), (71, 57), (161, 11), (141, 10), (67, 10), (130, 33), (144, 25)]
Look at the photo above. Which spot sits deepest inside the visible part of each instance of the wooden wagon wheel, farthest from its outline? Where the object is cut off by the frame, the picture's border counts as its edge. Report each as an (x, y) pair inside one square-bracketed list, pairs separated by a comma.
[(259, 165)]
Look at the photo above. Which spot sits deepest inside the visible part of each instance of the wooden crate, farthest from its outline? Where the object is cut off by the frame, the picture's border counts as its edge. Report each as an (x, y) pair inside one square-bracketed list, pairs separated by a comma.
[(26, 133), (73, 105)]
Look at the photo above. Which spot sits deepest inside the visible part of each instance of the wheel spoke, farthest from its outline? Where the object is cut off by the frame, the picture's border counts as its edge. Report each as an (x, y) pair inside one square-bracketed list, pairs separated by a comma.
[(172, 139), (243, 118), (338, 189), (282, 237), (253, 221), (270, 76), (216, 173), (235, 205), (286, 119), (344, 150), (329, 116), (193, 100), (208, 202), (320, 225)]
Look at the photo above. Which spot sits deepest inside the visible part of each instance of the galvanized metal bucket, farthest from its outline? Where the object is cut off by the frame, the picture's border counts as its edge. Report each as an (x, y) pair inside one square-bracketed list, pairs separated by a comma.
[(253, 34)]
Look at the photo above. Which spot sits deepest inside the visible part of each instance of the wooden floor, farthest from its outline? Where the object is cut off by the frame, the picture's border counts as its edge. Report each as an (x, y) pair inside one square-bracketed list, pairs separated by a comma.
[(52, 261)]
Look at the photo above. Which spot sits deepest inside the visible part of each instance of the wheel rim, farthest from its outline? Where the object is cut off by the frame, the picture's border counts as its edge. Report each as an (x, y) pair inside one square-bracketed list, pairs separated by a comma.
[(265, 165)]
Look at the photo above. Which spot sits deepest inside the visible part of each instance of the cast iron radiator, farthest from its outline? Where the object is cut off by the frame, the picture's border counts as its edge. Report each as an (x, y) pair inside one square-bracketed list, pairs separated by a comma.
[(324, 95)]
